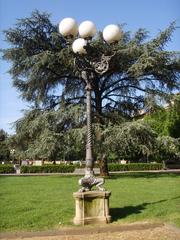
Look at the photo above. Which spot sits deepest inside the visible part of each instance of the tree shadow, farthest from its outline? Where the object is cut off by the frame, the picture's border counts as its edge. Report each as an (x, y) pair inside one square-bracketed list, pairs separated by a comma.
[(118, 213)]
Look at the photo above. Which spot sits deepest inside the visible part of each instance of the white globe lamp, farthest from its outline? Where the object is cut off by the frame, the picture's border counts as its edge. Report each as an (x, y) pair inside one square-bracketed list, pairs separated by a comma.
[(78, 46), (112, 33), (68, 27), (87, 29)]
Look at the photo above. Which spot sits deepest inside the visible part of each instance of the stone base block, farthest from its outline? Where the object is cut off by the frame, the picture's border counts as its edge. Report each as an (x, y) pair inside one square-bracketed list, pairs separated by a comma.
[(91, 207)]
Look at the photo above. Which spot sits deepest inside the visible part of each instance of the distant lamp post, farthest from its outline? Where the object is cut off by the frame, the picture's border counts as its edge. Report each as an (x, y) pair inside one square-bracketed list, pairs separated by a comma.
[(12, 152), (88, 65)]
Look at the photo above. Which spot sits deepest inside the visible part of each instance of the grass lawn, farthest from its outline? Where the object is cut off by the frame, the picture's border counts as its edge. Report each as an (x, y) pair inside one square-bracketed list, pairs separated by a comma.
[(46, 202)]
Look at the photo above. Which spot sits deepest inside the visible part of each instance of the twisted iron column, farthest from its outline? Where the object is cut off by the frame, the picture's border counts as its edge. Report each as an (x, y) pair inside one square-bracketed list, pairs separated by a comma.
[(88, 181), (88, 68), (89, 157)]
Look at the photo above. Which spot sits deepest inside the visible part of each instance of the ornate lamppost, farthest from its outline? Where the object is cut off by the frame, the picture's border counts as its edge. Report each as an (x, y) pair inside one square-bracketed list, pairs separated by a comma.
[(89, 66)]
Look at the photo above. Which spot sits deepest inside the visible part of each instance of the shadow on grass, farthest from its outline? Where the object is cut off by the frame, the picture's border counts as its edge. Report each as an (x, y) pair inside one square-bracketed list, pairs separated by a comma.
[(143, 175), (119, 213)]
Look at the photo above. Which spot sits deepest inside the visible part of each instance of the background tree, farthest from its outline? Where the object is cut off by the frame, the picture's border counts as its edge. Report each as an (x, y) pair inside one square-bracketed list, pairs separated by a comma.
[(50, 134), (168, 149), (174, 117), (166, 120), (4, 148), (132, 141), (42, 63)]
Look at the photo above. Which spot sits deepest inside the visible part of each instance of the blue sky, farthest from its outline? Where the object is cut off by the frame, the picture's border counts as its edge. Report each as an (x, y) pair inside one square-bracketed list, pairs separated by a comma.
[(154, 15)]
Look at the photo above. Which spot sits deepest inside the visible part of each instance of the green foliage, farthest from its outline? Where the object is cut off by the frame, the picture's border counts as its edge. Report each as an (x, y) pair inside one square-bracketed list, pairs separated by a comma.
[(40, 61), (5, 168), (4, 148), (114, 167), (168, 149), (50, 134), (61, 168), (4, 151), (157, 121), (131, 140), (174, 117), (60, 135), (166, 121), (112, 157)]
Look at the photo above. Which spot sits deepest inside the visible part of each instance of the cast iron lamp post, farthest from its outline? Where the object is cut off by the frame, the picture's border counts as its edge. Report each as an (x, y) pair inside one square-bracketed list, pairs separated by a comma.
[(89, 66)]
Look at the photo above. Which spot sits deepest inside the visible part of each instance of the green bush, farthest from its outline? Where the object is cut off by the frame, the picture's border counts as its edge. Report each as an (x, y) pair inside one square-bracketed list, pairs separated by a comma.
[(173, 166), (48, 169), (4, 168), (113, 167)]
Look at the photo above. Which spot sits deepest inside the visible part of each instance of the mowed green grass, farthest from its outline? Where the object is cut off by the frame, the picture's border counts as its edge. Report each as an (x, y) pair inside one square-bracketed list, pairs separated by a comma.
[(34, 203)]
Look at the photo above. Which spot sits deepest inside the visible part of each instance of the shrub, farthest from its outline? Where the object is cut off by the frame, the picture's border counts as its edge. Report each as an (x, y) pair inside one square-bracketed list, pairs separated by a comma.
[(134, 167), (48, 169), (5, 168), (173, 165)]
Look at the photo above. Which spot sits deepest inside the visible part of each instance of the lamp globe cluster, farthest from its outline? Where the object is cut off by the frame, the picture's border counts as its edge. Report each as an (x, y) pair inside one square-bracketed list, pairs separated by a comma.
[(87, 30)]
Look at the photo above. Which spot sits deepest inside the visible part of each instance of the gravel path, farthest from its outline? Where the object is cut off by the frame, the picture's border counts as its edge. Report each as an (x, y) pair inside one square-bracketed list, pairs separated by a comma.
[(137, 231)]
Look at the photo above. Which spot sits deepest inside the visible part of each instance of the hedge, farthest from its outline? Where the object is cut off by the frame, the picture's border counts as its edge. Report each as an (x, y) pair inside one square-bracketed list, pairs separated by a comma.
[(48, 169), (5, 168), (173, 166), (114, 167)]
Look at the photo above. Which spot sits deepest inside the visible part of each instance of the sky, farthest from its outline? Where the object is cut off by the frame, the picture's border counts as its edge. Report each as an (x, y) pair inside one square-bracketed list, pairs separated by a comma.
[(154, 15)]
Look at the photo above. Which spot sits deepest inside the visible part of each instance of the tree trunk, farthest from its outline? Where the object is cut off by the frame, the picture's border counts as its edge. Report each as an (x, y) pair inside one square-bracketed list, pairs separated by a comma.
[(98, 104), (103, 159), (103, 165)]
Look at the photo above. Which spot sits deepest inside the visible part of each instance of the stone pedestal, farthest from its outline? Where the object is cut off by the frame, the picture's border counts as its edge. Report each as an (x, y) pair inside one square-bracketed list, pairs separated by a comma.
[(91, 207)]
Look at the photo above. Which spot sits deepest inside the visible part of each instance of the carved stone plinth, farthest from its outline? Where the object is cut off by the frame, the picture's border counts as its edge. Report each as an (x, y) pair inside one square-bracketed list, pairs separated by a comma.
[(91, 207)]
